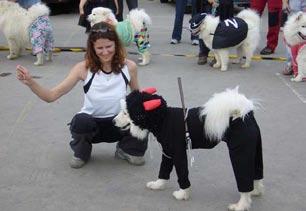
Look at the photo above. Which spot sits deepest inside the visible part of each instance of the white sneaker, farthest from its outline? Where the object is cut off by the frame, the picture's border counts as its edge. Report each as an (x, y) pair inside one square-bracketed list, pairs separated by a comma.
[(76, 163), (195, 42), (134, 160), (174, 41)]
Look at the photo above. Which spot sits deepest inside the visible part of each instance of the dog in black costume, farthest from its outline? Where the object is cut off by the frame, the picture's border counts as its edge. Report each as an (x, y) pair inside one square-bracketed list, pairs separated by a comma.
[(227, 116)]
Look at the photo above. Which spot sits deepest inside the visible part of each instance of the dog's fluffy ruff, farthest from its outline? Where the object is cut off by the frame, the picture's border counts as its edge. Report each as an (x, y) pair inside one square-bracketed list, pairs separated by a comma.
[(220, 107)]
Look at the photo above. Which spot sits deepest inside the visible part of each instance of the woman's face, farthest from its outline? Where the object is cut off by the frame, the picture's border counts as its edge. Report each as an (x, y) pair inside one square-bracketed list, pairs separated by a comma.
[(105, 50)]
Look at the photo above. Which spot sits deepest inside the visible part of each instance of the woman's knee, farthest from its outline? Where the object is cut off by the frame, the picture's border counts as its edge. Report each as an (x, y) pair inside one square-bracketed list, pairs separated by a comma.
[(83, 123)]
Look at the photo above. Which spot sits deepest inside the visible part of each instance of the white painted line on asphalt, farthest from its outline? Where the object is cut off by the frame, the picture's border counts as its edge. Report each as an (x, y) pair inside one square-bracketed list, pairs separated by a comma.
[(291, 88), (25, 110)]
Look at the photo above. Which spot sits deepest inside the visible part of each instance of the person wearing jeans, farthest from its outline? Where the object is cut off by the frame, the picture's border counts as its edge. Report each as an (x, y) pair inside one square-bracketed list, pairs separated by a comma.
[(180, 6), (26, 3)]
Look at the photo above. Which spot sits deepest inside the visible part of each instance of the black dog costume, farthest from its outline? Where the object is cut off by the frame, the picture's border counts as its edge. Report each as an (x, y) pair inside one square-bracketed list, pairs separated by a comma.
[(167, 124)]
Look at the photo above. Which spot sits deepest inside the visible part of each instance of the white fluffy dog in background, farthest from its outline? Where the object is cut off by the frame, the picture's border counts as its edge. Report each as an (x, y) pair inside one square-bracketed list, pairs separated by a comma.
[(27, 28), (133, 28), (14, 24), (295, 36), (245, 48)]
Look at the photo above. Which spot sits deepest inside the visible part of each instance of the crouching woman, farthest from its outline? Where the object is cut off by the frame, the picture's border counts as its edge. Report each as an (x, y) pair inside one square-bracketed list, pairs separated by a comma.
[(105, 74)]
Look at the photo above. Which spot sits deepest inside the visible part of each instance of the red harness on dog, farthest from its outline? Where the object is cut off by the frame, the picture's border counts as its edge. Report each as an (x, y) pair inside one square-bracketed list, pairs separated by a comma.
[(294, 52)]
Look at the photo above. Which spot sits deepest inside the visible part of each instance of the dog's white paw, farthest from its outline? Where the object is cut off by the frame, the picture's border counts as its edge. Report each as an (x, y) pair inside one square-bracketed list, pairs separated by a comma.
[(159, 184), (146, 58), (297, 79), (40, 59), (243, 204), (245, 66), (11, 56), (259, 188), (216, 65), (236, 61), (223, 69), (143, 63), (38, 63), (182, 194), (238, 207)]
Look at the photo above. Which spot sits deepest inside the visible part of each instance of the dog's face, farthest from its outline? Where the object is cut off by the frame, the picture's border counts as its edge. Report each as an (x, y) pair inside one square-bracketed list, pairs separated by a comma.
[(295, 29), (140, 113), (124, 122), (101, 14)]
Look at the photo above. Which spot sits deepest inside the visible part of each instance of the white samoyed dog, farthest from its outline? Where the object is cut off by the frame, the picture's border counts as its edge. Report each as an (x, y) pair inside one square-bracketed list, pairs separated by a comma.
[(133, 28), (16, 23), (245, 48), (15, 32), (295, 36)]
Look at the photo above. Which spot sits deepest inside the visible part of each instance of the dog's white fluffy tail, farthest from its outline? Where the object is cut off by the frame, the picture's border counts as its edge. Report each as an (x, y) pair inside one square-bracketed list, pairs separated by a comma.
[(252, 18), (37, 10), (138, 18), (220, 107)]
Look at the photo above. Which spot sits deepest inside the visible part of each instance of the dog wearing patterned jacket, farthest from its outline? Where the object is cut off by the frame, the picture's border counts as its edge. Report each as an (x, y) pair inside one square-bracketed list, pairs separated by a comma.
[(227, 116), (41, 33), (133, 29)]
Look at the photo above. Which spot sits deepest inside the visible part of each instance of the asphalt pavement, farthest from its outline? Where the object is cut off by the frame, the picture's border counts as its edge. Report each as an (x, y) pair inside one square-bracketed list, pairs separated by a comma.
[(35, 152)]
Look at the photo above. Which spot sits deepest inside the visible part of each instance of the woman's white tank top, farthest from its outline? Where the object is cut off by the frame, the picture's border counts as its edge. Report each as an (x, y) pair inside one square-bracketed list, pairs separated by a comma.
[(103, 97)]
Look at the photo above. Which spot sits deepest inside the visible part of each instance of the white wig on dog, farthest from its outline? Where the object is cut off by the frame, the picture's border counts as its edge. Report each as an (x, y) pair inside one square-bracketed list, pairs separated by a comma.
[(220, 107)]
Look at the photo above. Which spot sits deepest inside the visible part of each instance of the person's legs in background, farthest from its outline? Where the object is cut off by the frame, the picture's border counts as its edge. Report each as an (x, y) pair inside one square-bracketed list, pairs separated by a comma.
[(196, 8), (180, 6), (203, 53), (259, 6), (203, 49), (274, 16), (119, 16), (132, 4)]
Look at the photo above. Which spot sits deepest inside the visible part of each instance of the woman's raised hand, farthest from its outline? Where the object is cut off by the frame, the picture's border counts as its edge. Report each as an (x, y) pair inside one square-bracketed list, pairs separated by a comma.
[(23, 75)]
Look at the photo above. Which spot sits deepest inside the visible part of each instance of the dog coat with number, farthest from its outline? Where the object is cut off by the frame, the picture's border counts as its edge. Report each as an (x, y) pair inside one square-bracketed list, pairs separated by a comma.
[(229, 33)]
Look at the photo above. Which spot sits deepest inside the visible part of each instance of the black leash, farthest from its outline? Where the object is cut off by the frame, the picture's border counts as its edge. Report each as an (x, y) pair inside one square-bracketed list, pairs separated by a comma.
[(185, 112)]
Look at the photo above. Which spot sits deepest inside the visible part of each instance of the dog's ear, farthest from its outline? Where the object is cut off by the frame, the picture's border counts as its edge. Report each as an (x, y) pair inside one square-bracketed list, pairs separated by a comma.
[(151, 104), (299, 16), (149, 90)]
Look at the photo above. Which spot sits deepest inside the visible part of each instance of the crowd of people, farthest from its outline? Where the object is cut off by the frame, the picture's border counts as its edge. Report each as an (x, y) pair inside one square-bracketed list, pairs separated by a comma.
[(106, 72)]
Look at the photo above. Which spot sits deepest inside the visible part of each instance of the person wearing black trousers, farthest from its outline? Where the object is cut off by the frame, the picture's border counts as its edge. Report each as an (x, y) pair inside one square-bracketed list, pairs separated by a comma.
[(132, 4), (225, 10)]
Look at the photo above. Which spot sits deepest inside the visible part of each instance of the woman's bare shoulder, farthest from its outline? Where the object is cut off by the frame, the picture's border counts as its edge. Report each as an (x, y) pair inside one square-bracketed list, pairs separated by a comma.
[(80, 69), (132, 66)]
